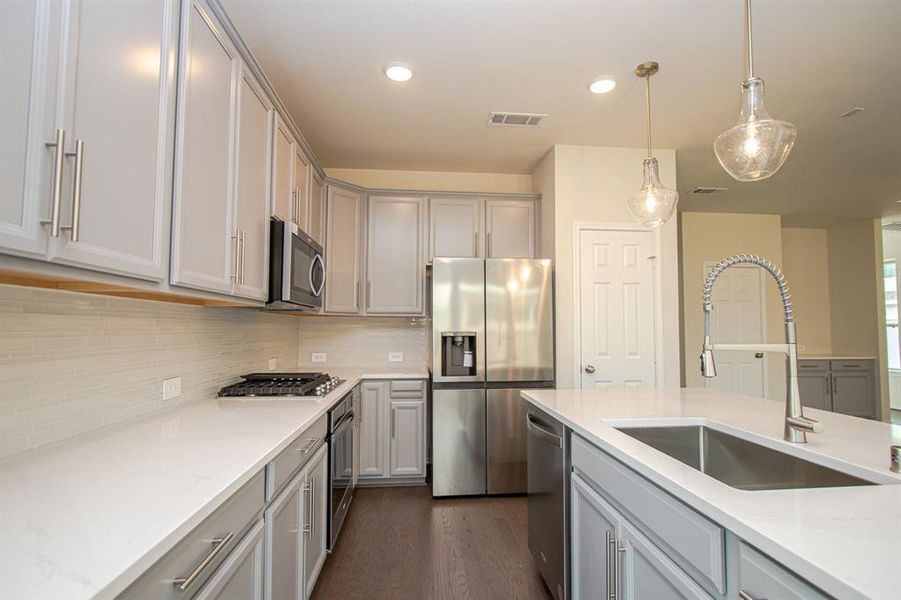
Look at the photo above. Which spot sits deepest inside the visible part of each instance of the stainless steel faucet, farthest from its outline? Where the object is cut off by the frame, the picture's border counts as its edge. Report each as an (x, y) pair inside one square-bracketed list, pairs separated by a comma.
[(797, 426)]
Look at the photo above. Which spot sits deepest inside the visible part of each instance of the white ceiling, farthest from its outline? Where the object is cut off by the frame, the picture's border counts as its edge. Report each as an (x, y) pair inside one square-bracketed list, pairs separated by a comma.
[(818, 59)]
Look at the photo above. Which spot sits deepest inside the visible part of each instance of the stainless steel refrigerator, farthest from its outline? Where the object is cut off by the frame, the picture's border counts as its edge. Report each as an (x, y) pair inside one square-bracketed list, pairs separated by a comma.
[(492, 336)]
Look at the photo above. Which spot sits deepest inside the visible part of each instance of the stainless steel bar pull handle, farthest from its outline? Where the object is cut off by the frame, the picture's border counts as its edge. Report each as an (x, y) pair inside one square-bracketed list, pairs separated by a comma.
[(311, 443), (243, 253), (184, 583), (56, 186), (237, 264), (306, 526), (617, 567), (312, 507), (75, 227), (746, 596), (608, 538)]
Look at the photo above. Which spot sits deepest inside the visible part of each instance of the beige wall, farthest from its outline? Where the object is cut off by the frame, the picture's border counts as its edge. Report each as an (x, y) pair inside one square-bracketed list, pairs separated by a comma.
[(364, 342), (805, 263), (856, 290), (443, 181), (543, 183), (591, 185), (74, 363), (710, 237)]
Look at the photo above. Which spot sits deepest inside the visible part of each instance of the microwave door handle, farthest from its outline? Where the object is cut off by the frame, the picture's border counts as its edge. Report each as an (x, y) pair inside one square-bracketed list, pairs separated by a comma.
[(316, 291)]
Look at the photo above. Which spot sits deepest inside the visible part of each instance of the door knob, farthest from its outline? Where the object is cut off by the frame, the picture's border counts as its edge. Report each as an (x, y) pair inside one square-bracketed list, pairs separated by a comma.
[(589, 369), (758, 355)]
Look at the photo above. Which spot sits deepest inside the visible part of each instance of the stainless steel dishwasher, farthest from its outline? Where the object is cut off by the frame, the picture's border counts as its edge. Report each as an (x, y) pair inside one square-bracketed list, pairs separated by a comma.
[(548, 486)]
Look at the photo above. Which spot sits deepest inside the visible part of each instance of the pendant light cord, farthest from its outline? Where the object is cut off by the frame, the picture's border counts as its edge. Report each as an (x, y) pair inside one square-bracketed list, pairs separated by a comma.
[(750, 42), (648, 98)]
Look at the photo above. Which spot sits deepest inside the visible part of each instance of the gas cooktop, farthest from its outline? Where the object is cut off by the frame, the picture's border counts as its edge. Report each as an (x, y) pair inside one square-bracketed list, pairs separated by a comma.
[(282, 384)]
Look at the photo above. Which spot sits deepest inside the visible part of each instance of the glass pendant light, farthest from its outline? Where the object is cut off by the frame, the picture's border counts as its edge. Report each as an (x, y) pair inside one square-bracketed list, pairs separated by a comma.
[(653, 204), (758, 144)]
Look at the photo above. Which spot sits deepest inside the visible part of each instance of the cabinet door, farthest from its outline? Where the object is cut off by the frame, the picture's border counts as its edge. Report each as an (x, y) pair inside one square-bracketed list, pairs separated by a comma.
[(510, 227), (815, 390), (355, 461), (252, 190), (317, 538), (240, 577), (373, 428), (852, 393), (395, 268), (285, 528), (29, 51), (407, 438), (282, 164), (454, 227), (122, 137), (593, 527), (646, 572), (761, 577), (204, 248), (343, 247), (316, 219), (301, 187)]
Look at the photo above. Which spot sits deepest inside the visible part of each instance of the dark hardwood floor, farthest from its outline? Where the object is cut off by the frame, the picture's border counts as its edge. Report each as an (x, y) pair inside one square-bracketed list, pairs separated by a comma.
[(399, 543)]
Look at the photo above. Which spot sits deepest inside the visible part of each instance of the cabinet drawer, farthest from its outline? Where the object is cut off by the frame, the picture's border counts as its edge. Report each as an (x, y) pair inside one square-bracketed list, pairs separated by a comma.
[(407, 388), (852, 365), (689, 538), (233, 518), (813, 365), (280, 470), (761, 577)]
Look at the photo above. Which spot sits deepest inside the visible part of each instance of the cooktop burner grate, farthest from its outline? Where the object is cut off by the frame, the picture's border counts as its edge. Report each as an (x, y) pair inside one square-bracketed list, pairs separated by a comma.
[(282, 384)]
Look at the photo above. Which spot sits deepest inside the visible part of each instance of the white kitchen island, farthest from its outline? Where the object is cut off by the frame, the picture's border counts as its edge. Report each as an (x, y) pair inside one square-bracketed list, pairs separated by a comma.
[(844, 540)]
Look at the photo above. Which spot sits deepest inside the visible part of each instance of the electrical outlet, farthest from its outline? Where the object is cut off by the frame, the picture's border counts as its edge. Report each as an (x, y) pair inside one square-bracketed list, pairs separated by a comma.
[(395, 357), (318, 357), (273, 363), (171, 388)]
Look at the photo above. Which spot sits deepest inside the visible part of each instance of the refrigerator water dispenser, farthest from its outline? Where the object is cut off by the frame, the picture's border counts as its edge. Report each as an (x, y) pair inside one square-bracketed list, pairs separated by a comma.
[(458, 353)]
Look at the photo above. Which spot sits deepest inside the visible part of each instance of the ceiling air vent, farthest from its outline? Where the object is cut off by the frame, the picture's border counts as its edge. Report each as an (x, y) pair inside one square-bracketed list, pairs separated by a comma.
[(514, 119), (708, 190)]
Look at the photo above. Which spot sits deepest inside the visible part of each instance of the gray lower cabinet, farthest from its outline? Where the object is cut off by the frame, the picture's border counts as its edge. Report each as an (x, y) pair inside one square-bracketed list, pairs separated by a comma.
[(630, 539), (392, 430), (317, 541), (241, 575), (842, 386)]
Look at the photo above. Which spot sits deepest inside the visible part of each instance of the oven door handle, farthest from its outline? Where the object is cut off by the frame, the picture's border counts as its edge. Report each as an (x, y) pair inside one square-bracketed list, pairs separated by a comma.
[(316, 291)]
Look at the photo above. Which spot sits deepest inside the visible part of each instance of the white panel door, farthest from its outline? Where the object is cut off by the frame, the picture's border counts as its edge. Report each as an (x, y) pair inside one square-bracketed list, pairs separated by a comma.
[(282, 161), (29, 51), (343, 250), (373, 428), (119, 105), (454, 230), (616, 304), (737, 318), (252, 190), (510, 227), (204, 245), (395, 269), (407, 433)]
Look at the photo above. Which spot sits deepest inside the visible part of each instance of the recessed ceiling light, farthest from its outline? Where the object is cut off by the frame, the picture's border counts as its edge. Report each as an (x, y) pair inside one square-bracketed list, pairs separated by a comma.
[(602, 85), (398, 71)]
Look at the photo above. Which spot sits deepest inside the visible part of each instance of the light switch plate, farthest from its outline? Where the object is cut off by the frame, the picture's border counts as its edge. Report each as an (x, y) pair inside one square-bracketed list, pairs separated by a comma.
[(273, 363), (318, 357), (395, 357), (171, 388)]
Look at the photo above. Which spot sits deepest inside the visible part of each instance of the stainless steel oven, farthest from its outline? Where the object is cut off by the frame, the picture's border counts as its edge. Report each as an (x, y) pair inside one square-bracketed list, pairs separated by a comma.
[(340, 459), (296, 268)]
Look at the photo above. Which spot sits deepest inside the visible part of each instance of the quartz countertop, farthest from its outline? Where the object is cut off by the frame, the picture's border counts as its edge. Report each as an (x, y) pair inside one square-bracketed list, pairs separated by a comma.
[(845, 540), (85, 518)]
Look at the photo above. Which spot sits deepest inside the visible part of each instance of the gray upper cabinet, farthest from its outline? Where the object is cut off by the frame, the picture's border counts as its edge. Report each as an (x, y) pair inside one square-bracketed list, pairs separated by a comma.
[(301, 173), (316, 213), (252, 190), (282, 165), (510, 229), (105, 189), (455, 227), (343, 250), (204, 247), (395, 269)]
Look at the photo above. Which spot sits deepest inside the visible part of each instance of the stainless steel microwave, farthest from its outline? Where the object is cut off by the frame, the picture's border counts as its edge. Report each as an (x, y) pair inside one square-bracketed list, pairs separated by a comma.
[(296, 268)]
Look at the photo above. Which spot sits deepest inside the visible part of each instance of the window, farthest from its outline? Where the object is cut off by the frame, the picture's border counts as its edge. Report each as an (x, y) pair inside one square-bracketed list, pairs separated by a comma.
[(890, 283)]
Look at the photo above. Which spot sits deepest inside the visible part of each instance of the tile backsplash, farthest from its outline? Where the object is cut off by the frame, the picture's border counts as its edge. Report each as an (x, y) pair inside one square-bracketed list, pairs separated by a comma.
[(73, 363), (364, 342)]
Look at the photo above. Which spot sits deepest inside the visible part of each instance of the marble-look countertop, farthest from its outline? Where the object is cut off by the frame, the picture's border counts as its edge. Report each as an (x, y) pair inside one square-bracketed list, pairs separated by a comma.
[(847, 540), (85, 518)]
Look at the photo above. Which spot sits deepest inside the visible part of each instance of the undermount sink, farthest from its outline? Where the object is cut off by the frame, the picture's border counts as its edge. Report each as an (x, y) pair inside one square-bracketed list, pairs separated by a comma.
[(737, 462)]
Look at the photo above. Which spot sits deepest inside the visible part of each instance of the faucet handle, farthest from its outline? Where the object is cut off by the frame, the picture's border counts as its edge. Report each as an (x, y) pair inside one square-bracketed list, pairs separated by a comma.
[(802, 423)]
